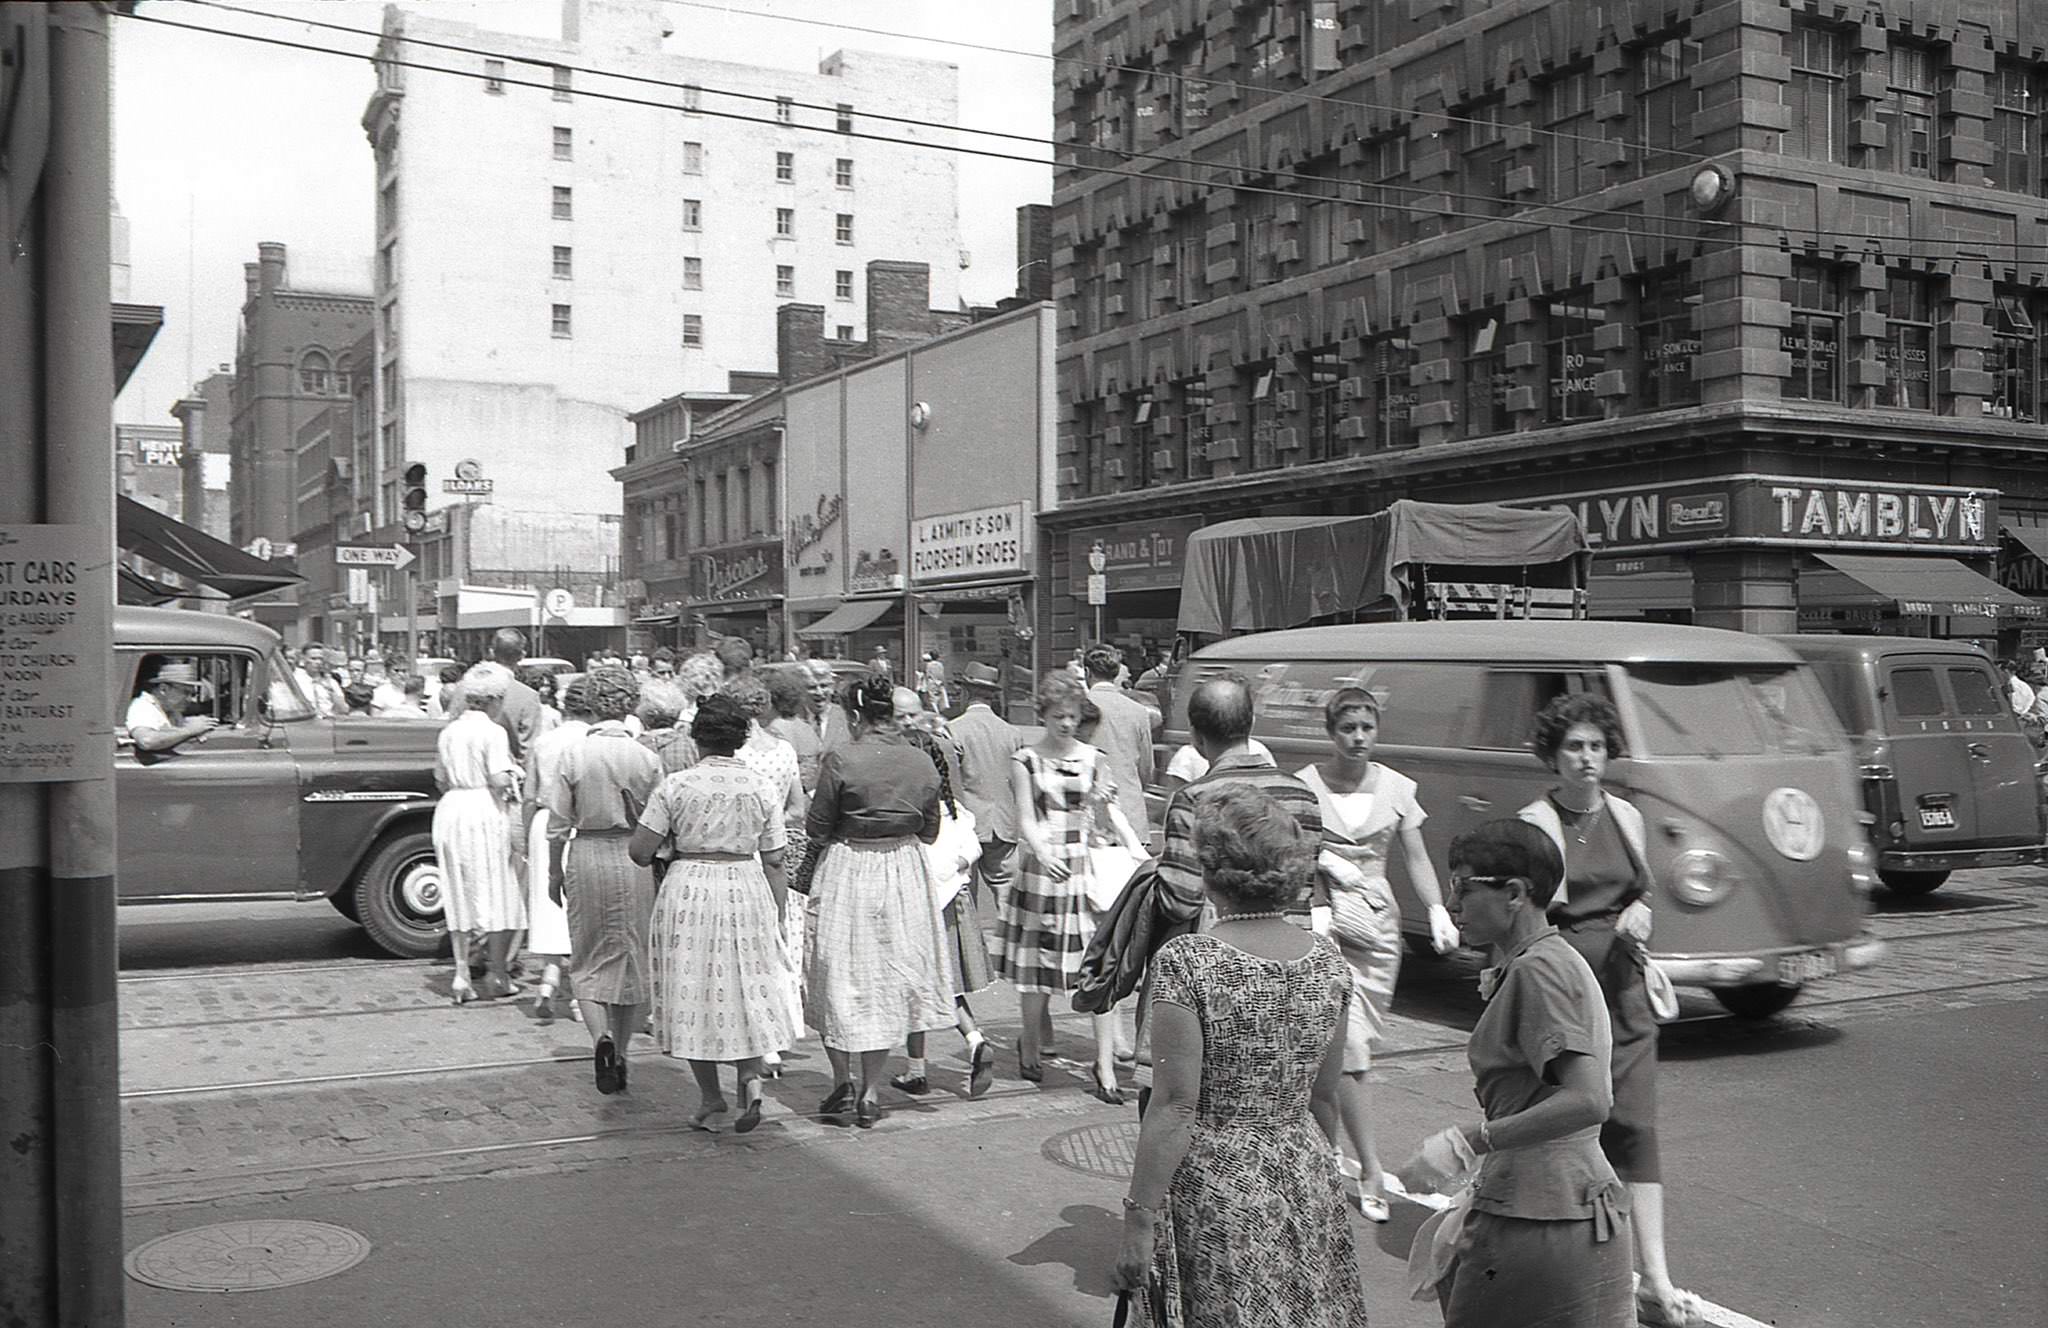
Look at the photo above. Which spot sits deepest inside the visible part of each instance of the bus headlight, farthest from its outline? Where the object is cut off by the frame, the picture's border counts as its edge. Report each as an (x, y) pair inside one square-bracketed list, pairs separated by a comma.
[(1861, 878), (1701, 877)]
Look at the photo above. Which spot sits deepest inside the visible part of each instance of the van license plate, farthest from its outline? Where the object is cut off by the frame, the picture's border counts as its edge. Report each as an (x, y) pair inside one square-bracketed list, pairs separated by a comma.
[(1807, 967), (1937, 818)]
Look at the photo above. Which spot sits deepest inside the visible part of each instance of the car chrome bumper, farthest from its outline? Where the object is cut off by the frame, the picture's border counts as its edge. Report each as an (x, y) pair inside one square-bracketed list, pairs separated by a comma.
[(1803, 964), (1962, 859)]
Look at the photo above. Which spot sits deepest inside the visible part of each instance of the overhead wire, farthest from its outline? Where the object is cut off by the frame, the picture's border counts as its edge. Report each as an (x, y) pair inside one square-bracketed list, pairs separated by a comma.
[(1620, 222)]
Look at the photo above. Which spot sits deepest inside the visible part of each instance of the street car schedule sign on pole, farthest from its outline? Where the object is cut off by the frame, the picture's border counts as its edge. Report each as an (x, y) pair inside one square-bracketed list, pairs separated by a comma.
[(53, 629)]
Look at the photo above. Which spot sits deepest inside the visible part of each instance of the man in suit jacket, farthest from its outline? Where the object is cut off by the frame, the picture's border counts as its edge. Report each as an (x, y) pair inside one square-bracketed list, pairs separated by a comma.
[(1125, 734), (987, 741), (521, 714), (827, 715)]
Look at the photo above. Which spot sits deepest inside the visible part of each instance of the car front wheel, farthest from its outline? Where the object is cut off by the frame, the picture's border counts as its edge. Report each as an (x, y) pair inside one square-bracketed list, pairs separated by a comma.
[(1758, 1001), (399, 898), (1912, 884)]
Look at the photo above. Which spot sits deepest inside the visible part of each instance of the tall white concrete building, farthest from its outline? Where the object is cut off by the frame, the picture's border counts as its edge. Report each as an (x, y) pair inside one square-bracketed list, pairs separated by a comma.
[(549, 260)]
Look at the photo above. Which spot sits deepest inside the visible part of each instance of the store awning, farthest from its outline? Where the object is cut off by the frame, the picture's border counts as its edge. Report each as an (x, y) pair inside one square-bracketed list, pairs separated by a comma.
[(1929, 586), (2034, 539), (849, 618), (132, 587), (192, 553)]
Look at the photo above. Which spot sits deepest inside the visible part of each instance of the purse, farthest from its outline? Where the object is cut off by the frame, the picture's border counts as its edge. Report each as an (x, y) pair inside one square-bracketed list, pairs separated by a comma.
[(807, 867), (1110, 867)]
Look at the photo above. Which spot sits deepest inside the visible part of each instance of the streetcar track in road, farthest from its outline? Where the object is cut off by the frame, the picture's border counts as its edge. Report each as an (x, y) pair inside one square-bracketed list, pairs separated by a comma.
[(353, 1076), (281, 970)]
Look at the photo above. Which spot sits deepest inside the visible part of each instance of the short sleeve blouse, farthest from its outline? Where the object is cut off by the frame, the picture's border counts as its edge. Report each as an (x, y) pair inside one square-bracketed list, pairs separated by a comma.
[(719, 805), (472, 749)]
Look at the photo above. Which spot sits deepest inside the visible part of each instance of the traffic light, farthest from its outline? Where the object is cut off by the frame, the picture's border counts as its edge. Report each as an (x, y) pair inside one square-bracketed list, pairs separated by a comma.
[(416, 496)]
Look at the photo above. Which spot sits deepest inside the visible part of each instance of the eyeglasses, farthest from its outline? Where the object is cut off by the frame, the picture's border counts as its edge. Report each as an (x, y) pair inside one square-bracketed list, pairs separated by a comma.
[(1459, 883)]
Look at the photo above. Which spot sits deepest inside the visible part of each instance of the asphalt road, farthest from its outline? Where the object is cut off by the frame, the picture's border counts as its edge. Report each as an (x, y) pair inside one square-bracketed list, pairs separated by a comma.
[(1865, 1159)]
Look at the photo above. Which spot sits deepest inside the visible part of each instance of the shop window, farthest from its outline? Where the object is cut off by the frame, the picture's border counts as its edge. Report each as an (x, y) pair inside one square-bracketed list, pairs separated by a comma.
[(1569, 322), (2015, 359), (1907, 111), (2019, 157), (1814, 336), (1568, 116), (1667, 339), (1196, 433), (1908, 347), (1391, 395), (1665, 102), (1818, 93), (1485, 374), (1321, 407)]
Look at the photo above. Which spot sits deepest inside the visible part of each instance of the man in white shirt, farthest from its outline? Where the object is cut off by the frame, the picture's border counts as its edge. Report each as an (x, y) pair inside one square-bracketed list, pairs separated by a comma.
[(1124, 735), (156, 718), (316, 675), (2017, 693)]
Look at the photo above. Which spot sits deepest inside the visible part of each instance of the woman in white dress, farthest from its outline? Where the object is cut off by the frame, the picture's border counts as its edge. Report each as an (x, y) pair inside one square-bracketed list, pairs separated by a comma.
[(547, 920), (1368, 809), (473, 830), (721, 981)]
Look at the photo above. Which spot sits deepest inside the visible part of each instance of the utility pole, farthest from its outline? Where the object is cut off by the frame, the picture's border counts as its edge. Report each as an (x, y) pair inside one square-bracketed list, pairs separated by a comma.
[(60, 1176)]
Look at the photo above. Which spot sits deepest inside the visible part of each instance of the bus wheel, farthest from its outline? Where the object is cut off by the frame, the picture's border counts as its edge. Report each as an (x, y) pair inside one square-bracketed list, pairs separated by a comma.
[(1757, 1001), (1912, 884)]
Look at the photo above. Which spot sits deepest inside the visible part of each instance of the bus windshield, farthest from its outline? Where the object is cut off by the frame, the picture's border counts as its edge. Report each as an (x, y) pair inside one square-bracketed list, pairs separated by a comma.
[(1713, 710)]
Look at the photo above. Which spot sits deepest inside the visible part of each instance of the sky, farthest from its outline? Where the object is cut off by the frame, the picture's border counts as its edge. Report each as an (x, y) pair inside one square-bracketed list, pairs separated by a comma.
[(220, 143)]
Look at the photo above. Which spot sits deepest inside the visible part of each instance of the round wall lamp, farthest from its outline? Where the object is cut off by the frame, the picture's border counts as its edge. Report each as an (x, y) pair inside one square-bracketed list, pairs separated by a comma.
[(920, 416)]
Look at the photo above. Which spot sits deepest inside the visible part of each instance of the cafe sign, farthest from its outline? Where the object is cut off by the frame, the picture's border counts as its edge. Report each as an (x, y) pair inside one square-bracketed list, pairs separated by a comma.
[(1137, 555), (963, 545), (1784, 511), (751, 572)]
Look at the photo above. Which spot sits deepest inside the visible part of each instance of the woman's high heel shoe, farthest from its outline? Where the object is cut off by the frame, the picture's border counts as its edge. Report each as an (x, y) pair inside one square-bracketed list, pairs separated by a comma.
[(751, 1116), (1106, 1091), (460, 991)]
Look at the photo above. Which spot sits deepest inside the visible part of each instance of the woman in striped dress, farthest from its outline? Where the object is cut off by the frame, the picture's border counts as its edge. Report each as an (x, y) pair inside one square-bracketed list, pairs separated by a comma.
[(1062, 785), (775, 760), (873, 966), (473, 828), (605, 781)]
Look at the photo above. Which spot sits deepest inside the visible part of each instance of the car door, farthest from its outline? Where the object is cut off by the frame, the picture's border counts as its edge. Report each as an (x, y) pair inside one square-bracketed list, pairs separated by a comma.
[(1930, 754), (2001, 760), (218, 817)]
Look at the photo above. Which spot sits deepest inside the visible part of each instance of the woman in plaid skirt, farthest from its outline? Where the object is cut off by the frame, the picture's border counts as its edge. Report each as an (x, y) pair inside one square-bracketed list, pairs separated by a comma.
[(1062, 787)]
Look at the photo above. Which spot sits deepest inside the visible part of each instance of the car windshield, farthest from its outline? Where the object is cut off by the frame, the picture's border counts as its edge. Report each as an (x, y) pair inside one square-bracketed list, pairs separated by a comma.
[(284, 702), (1712, 710)]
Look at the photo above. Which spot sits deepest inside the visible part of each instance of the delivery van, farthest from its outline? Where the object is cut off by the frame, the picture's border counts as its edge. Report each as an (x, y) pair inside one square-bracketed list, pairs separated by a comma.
[(1745, 778)]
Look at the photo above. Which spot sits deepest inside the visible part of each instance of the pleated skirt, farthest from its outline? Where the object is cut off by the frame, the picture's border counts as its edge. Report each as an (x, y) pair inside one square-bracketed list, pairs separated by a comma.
[(547, 923), (611, 902), (473, 841), (720, 963), (874, 962)]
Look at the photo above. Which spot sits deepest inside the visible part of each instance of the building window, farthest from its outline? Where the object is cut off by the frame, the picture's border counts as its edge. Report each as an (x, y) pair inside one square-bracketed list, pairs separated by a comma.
[(1488, 159), (1667, 339), (1818, 94), (2019, 158), (1195, 432), (785, 110), (693, 329), (1392, 395), (693, 158), (562, 92), (1907, 112), (693, 214), (785, 167), (1386, 164), (842, 173), (316, 376), (693, 98), (564, 144), (1665, 102), (1814, 336), (785, 281), (1265, 415), (1569, 118), (494, 77), (693, 274), (842, 284), (2014, 360), (387, 265), (843, 117), (565, 203), (842, 228), (842, 332), (561, 320), (1908, 348), (1569, 321), (1092, 448), (1322, 407), (563, 269), (1486, 377), (785, 221)]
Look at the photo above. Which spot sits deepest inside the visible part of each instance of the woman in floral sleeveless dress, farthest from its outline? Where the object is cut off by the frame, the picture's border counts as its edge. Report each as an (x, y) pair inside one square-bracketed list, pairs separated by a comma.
[(1235, 1215)]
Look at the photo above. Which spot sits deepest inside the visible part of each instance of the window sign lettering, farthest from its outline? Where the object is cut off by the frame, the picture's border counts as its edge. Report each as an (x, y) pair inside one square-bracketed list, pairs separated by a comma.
[(1784, 511), (54, 597)]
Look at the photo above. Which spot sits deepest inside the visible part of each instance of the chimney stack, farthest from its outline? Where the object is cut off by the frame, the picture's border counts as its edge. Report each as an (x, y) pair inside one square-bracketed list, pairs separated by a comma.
[(252, 281), (800, 342), (1034, 251), (899, 304), (270, 258)]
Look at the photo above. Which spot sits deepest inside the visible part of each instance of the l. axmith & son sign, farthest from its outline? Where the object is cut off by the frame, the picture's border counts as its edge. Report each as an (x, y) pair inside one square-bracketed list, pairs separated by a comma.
[(986, 542)]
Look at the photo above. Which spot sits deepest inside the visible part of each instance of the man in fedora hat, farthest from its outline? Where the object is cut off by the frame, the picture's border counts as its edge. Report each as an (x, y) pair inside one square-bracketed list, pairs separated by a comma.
[(156, 718), (987, 742)]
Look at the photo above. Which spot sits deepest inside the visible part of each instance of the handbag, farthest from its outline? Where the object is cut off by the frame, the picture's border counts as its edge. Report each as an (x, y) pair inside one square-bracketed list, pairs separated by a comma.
[(1110, 867), (807, 867), (952, 857)]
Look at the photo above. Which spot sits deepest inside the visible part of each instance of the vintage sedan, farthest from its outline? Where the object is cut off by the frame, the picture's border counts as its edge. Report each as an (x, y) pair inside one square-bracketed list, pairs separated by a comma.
[(276, 802)]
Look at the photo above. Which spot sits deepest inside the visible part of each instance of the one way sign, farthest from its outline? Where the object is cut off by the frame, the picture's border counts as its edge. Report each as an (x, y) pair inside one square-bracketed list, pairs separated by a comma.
[(372, 555)]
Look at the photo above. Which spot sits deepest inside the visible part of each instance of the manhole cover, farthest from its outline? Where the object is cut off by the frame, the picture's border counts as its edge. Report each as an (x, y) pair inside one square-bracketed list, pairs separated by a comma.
[(247, 1256), (1096, 1150)]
